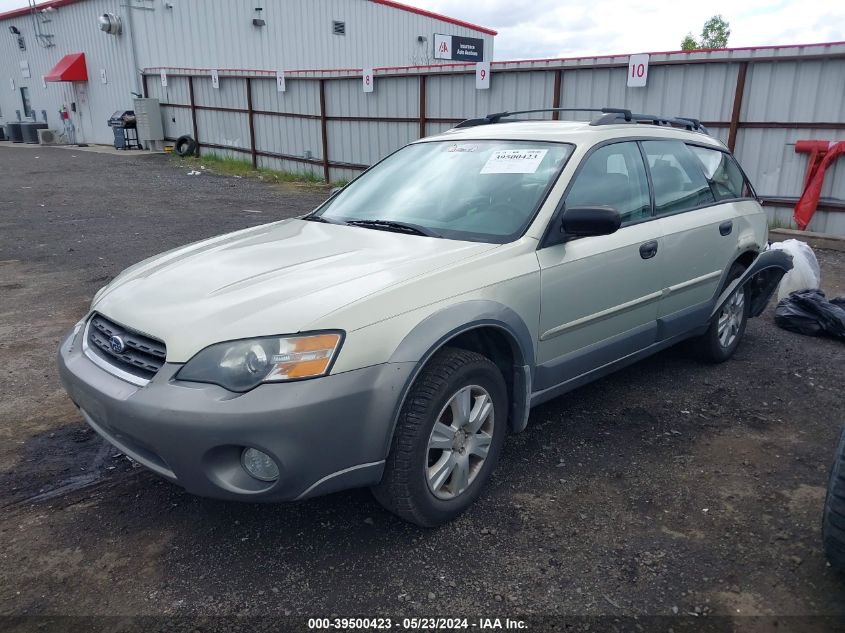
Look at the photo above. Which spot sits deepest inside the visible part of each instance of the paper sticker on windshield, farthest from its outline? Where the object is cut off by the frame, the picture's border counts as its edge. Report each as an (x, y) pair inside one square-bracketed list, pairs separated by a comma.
[(461, 148), (514, 161)]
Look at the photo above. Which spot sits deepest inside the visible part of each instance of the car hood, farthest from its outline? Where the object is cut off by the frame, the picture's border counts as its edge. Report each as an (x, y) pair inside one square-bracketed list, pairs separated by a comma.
[(273, 279)]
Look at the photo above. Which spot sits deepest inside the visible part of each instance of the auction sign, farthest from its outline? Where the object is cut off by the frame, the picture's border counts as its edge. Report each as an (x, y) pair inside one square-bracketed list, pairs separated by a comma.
[(459, 49)]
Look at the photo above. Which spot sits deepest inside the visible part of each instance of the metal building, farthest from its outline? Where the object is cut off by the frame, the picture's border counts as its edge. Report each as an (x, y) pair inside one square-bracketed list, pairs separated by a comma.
[(118, 38)]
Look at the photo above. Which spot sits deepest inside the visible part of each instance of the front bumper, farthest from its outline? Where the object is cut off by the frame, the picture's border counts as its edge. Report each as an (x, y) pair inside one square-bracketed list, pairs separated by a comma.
[(325, 434)]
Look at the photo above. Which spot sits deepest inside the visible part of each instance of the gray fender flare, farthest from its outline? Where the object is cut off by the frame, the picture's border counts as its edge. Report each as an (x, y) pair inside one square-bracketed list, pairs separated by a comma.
[(436, 330), (762, 277)]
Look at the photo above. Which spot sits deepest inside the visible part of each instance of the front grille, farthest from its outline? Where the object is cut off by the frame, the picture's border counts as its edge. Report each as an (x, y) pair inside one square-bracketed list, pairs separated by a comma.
[(141, 355)]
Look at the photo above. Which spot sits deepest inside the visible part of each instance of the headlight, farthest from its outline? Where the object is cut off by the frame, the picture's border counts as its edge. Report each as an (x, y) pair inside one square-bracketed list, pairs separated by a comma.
[(243, 365)]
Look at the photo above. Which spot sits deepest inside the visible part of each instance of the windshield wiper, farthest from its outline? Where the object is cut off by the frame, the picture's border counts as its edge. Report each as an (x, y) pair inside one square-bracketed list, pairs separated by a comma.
[(397, 227), (320, 218)]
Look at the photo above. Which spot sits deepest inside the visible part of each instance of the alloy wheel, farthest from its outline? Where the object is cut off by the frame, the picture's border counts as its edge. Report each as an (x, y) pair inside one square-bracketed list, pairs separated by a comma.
[(731, 317), (459, 442)]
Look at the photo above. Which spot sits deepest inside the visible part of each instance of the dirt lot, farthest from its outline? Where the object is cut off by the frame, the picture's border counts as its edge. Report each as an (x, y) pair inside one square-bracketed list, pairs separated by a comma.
[(669, 488)]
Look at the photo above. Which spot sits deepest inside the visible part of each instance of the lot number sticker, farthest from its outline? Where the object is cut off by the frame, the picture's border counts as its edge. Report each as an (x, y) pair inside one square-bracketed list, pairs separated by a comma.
[(637, 71), (482, 75), (514, 161), (280, 81), (367, 79)]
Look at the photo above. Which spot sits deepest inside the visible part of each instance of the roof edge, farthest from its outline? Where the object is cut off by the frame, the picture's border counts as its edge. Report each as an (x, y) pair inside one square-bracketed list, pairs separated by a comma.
[(14, 13), (55, 4), (435, 16), (495, 64)]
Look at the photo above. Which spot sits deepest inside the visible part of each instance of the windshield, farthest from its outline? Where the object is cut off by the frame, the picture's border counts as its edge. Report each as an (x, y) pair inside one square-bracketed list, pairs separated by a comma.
[(486, 191)]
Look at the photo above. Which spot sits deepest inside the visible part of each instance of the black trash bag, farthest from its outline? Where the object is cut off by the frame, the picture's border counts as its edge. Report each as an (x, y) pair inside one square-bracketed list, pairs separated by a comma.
[(809, 312)]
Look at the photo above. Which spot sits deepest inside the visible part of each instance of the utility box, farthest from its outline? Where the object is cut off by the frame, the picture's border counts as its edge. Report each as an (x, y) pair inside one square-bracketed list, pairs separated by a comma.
[(148, 121)]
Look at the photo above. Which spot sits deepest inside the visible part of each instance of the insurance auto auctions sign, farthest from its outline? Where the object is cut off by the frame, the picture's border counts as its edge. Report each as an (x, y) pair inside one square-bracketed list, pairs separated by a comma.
[(456, 48)]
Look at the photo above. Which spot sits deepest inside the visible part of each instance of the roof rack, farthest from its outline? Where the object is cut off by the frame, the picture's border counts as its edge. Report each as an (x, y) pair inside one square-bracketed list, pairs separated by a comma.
[(688, 123), (610, 116), (496, 118)]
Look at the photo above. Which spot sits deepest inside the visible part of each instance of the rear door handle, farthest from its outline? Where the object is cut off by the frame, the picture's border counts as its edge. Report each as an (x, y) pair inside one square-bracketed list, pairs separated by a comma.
[(726, 227), (648, 250)]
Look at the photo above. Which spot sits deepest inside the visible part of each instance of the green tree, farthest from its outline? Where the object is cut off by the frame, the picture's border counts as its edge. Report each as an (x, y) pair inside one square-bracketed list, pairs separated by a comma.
[(689, 43), (714, 34)]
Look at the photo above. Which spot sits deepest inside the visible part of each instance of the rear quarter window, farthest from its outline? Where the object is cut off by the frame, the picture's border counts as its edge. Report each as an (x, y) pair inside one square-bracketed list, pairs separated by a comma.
[(677, 178), (722, 172)]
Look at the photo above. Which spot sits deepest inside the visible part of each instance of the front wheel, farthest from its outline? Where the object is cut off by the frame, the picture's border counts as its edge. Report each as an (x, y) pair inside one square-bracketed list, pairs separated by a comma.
[(447, 439), (726, 329)]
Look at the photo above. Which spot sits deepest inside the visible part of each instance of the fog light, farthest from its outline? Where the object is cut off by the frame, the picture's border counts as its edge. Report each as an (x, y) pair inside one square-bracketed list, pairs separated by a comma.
[(259, 465)]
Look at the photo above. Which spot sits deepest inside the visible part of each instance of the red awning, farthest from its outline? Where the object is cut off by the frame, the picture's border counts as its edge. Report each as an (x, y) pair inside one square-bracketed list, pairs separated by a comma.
[(70, 68)]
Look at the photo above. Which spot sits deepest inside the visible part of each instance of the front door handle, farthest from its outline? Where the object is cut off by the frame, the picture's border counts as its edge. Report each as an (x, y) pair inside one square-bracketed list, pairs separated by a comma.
[(726, 227), (648, 250)]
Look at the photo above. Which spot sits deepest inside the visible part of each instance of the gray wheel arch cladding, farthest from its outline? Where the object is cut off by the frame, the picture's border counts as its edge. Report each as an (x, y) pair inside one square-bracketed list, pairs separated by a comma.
[(435, 331)]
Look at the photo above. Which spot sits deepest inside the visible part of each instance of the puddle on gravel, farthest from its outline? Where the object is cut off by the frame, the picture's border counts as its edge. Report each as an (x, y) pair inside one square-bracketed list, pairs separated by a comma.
[(58, 462)]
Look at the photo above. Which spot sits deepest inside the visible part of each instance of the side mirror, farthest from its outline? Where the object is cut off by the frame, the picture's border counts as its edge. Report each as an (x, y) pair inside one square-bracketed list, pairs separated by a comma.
[(590, 221), (334, 191)]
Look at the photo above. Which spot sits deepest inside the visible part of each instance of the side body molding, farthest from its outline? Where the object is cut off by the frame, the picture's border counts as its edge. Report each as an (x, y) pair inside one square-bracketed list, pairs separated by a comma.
[(762, 278), (435, 331)]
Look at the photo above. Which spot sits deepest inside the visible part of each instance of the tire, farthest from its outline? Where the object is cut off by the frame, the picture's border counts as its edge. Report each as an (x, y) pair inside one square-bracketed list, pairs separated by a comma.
[(713, 346), (411, 487), (185, 145), (833, 518)]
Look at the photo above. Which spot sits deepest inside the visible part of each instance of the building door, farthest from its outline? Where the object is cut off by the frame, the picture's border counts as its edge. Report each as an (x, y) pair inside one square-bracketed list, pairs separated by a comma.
[(83, 113), (27, 106)]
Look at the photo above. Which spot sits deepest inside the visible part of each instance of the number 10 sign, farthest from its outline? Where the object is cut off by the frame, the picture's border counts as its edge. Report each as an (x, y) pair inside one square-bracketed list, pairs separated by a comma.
[(637, 71)]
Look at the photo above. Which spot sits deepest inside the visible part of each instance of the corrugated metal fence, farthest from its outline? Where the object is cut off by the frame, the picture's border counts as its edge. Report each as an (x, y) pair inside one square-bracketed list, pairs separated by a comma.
[(758, 101)]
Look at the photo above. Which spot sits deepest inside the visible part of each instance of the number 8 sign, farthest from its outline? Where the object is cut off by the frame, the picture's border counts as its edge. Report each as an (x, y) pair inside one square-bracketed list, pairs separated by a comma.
[(367, 79), (637, 71)]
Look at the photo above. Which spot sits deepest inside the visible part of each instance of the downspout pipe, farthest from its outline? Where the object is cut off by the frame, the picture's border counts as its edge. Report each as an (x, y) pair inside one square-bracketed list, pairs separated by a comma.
[(133, 51)]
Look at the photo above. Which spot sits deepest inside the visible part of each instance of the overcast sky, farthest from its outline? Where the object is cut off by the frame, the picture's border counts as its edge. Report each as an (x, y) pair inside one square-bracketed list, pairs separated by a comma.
[(560, 28)]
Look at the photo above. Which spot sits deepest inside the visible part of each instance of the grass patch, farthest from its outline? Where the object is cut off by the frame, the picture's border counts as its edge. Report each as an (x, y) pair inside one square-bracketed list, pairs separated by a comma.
[(243, 169), (777, 223)]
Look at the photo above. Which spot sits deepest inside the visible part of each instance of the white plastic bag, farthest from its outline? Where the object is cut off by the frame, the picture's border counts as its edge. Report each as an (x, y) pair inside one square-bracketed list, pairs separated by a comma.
[(805, 273)]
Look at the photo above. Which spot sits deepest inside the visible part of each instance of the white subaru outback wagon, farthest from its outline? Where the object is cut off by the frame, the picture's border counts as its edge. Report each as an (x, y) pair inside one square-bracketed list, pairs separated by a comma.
[(397, 334)]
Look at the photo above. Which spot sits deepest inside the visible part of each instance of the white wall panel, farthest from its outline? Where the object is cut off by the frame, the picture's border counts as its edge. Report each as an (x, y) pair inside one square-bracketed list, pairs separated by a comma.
[(205, 34), (283, 135), (74, 29), (298, 34)]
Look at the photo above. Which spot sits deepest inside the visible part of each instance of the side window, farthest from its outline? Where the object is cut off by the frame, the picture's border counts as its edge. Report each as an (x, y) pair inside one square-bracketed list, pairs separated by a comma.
[(677, 176), (613, 176), (722, 172)]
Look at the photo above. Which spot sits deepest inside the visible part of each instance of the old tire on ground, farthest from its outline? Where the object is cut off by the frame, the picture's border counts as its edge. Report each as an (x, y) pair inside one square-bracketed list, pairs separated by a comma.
[(833, 519), (724, 335), (447, 439), (185, 145)]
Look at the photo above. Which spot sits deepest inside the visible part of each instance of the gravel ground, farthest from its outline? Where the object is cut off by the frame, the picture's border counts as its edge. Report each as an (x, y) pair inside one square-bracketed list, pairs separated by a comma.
[(668, 488)]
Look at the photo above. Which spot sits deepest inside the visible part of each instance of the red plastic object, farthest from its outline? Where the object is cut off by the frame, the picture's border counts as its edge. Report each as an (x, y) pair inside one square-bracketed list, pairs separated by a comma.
[(70, 68), (822, 156)]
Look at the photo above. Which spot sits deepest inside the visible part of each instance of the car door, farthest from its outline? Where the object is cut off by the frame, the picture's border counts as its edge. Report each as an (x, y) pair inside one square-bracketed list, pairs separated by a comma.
[(698, 233), (599, 295)]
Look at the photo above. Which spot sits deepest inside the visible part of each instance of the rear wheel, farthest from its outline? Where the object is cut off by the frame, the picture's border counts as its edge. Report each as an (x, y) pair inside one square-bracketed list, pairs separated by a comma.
[(833, 521), (726, 329), (447, 440)]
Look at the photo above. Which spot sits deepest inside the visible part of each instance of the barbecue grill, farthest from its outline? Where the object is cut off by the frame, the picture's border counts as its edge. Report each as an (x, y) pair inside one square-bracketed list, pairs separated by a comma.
[(124, 126)]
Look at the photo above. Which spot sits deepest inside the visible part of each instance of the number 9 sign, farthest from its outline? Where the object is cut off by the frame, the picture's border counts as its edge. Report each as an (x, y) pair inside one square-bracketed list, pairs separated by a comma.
[(482, 75), (637, 71), (368, 80)]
